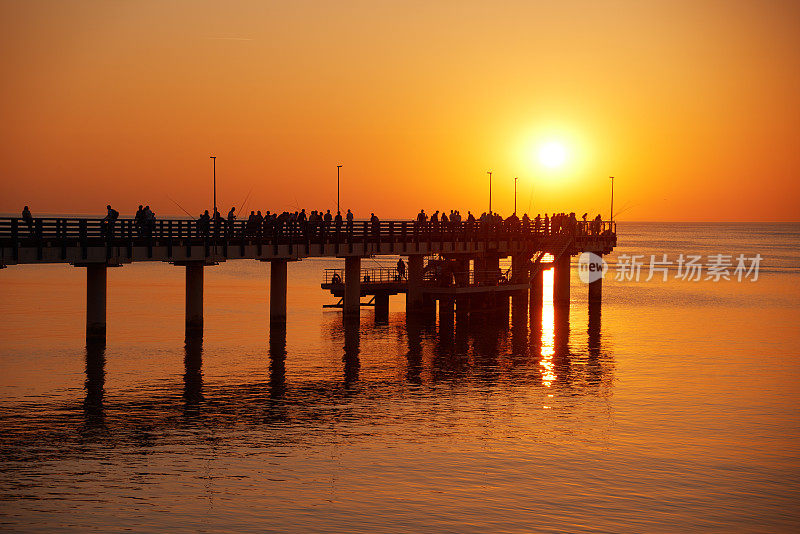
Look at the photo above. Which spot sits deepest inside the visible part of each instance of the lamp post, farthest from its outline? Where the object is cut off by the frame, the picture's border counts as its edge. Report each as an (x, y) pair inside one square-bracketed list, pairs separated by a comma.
[(515, 194), (214, 158), (337, 188), (612, 199), (490, 191)]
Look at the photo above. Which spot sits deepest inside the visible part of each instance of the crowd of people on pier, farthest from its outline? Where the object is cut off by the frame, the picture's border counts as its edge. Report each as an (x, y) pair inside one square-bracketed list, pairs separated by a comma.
[(313, 224), (558, 223), (317, 223)]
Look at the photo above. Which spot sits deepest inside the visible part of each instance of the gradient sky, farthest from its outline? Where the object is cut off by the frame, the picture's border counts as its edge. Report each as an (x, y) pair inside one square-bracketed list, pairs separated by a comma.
[(694, 107)]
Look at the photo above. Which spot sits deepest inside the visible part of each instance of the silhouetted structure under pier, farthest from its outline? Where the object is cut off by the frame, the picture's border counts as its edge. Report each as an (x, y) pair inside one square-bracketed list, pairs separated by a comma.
[(456, 264)]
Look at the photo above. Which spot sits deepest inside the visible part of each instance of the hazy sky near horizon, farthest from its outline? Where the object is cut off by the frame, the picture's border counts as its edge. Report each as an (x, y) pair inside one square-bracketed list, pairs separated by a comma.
[(694, 107)]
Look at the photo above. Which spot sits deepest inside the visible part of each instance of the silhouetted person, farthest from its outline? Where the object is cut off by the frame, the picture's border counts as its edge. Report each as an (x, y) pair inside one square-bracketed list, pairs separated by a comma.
[(218, 222), (376, 226), (28, 218), (401, 268), (250, 227), (337, 221), (203, 224), (258, 223), (139, 220), (349, 222), (149, 221), (231, 220), (109, 220)]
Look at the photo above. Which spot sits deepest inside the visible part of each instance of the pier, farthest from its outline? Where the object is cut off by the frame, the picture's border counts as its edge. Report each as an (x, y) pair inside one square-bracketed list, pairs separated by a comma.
[(455, 266)]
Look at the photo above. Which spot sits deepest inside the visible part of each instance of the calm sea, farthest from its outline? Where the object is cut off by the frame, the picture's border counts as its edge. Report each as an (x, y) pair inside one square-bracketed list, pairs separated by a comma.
[(674, 410)]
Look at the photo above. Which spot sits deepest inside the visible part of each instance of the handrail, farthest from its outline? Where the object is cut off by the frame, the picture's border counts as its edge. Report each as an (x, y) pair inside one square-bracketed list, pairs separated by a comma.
[(392, 275), (286, 231), (369, 275)]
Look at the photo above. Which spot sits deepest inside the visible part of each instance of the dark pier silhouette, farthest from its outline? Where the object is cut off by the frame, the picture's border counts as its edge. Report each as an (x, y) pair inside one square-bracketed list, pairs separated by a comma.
[(454, 264)]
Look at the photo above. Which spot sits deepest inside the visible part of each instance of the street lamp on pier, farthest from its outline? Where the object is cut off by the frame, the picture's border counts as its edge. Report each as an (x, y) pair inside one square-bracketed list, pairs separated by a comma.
[(337, 188), (214, 158), (490, 191), (515, 194)]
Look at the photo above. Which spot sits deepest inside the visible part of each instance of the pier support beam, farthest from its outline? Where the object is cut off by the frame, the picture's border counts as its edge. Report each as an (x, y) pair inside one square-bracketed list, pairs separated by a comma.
[(596, 291), (352, 286), (194, 300), (381, 307), (462, 309), (96, 282), (561, 281), (277, 291), (414, 293), (537, 293), (491, 268), (446, 313), (502, 304), (519, 275)]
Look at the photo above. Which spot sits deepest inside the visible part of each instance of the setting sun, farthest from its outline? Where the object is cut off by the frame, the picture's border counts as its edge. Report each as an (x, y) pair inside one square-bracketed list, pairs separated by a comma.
[(552, 155)]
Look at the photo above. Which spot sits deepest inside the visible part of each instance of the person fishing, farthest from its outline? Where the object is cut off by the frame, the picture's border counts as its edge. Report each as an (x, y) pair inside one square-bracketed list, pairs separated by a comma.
[(28, 218)]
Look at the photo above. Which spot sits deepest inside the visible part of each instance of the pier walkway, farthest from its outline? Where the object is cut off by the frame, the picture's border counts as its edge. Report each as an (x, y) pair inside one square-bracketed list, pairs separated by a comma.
[(456, 264)]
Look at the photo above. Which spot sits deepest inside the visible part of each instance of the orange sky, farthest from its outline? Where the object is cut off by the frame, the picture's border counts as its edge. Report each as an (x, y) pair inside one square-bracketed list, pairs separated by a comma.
[(695, 109)]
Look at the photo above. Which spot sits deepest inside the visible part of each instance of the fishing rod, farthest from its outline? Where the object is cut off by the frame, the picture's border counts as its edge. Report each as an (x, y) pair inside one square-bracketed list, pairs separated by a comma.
[(245, 200), (296, 203), (181, 207), (624, 209)]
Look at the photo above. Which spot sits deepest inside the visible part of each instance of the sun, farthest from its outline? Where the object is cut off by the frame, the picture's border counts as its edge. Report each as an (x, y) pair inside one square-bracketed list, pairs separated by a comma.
[(552, 155)]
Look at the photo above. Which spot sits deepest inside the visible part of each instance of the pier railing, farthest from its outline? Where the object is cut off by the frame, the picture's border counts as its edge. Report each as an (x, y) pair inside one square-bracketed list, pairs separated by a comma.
[(60, 231), (431, 278), (378, 275)]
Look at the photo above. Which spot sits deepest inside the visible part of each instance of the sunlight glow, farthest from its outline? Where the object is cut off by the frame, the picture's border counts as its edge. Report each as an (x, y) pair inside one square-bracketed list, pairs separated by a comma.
[(552, 155)]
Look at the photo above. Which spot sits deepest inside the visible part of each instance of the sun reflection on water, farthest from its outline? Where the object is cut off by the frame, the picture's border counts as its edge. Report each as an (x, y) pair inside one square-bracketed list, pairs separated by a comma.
[(548, 329)]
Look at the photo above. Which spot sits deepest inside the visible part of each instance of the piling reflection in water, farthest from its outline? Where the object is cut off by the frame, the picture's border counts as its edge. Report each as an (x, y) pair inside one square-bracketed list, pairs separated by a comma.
[(594, 365), (519, 329), (414, 354), (352, 342), (193, 377), (480, 355), (94, 386), (277, 361), (477, 352)]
